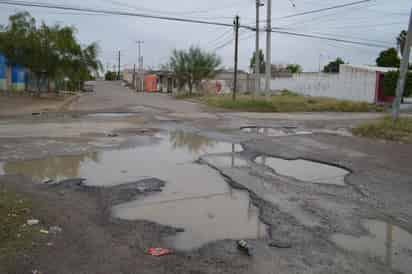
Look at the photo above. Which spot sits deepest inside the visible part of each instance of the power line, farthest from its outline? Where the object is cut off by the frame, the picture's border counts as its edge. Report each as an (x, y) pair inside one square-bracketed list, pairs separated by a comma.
[(185, 20), (339, 36), (331, 39), (214, 41), (201, 11), (324, 9), (112, 12)]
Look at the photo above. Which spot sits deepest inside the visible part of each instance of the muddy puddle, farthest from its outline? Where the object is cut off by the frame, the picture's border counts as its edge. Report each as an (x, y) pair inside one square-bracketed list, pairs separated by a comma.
[(225, 214), (112, 114), (306, 171), (226, 161), (195, 197), (390, 243), (274, 132)]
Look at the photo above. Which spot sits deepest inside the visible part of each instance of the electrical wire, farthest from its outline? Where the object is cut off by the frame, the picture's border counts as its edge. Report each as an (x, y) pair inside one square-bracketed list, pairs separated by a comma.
[(113, 12), (214, 41), (323, 9), (331, 39), (185, 20)]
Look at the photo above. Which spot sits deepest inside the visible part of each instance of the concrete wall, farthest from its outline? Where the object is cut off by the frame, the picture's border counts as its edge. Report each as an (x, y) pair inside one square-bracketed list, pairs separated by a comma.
[(352, 83)]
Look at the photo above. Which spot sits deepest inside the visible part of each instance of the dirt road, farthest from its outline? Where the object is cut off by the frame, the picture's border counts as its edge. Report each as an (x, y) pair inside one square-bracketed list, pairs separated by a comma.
[(157, 172)]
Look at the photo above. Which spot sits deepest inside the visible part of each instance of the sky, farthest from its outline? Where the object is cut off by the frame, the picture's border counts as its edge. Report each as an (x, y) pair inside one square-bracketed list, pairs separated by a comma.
[(378, 21)]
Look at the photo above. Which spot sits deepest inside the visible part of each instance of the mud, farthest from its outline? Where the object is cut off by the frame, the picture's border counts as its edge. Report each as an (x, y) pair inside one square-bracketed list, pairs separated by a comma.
[(239, 197)]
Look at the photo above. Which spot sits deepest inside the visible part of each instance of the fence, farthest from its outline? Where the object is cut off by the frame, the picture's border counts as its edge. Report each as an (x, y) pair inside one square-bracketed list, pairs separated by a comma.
[(352, 83)]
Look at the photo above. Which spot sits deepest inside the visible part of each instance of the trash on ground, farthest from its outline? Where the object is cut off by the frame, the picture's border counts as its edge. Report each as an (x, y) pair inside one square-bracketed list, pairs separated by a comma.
[(44, 231), (280, 244), (33, 222), (158, 252), (112, 135), (244, 246), (55, 229)]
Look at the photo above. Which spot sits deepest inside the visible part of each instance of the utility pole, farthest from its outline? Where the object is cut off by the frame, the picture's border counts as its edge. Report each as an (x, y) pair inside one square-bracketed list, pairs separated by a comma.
[(236, 23), (118, 71), (257, 49), (403, 72), (268, 46), (140, 65), (134, 77)]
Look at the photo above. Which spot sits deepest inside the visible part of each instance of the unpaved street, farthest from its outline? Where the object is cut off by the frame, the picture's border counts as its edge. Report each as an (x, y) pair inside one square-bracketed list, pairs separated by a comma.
[(128, 171)]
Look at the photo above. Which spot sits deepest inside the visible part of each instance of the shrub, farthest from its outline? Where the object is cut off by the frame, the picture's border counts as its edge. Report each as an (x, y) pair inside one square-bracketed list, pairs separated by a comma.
[(390, 81)]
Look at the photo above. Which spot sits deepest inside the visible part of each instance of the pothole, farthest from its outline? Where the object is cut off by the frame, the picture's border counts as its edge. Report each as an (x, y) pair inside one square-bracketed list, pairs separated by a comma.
[(195, 197), (274, 132), (112, 114), (390, 243), (226, 161), (304, 170)]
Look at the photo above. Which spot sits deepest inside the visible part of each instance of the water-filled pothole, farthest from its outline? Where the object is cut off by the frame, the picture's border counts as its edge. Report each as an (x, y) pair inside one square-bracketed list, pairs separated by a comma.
[(226, 161), (195, 197), (305, 170), (112, 114), (274, 132), (386, 241)]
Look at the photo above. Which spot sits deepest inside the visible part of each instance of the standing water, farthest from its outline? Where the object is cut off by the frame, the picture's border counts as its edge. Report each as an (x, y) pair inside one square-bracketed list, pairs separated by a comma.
[(389, 242), (195, 197)]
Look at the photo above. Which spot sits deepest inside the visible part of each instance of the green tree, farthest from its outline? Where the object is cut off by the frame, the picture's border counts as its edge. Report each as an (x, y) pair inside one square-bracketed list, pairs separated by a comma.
[(333, 67), (294, 68), (48, 51), (193, 65), (110, 76), (388, 58), (262, 64)]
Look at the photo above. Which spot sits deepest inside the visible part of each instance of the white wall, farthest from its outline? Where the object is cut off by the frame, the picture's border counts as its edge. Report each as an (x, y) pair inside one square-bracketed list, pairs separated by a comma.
[(352, 83)]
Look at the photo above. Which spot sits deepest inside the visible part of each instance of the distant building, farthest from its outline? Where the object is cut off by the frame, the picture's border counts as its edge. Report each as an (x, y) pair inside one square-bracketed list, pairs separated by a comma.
[(12, 78)]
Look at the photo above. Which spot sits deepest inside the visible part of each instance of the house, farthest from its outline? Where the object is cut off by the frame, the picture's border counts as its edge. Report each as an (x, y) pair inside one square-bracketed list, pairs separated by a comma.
[(222, 82), (12, 78)]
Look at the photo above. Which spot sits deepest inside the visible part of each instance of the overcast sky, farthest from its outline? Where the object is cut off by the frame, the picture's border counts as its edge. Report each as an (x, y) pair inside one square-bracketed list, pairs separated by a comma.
[(379, 21)]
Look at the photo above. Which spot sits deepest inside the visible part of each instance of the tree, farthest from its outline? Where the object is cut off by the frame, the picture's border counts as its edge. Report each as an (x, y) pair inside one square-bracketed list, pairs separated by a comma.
[(193, 65), (401, 41), (262, 63), (333, 67), (294, 68), (388, 58), (48, 51), (110, 76)]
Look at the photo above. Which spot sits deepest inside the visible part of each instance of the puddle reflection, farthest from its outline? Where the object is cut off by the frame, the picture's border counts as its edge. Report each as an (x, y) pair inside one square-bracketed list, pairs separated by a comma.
[(391, 243), (195, 197), (304, 170)]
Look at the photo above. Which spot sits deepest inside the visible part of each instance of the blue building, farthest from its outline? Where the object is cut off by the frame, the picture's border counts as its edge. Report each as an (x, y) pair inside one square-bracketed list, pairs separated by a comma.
[(12, 77), (3, 72)]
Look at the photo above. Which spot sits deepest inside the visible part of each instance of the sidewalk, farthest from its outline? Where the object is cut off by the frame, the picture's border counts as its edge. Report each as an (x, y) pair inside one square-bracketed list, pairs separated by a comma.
[(18, 104)]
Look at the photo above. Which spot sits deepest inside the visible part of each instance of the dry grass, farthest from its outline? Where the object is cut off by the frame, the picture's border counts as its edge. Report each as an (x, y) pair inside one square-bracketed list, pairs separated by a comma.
[(289, 102), (400, 131), (15, 235)]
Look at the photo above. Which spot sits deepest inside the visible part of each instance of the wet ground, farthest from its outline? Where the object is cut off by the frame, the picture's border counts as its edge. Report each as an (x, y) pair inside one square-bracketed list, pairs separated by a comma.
[(307, 196)]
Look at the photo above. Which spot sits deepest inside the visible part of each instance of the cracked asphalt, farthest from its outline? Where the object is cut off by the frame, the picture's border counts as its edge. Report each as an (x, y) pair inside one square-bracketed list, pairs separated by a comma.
[(307, 216)]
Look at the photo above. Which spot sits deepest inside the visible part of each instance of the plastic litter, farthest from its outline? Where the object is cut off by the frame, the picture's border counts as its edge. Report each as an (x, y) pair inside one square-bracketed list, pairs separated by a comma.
[(55, 229), (33, 222), (158, 251), (244, 246)]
